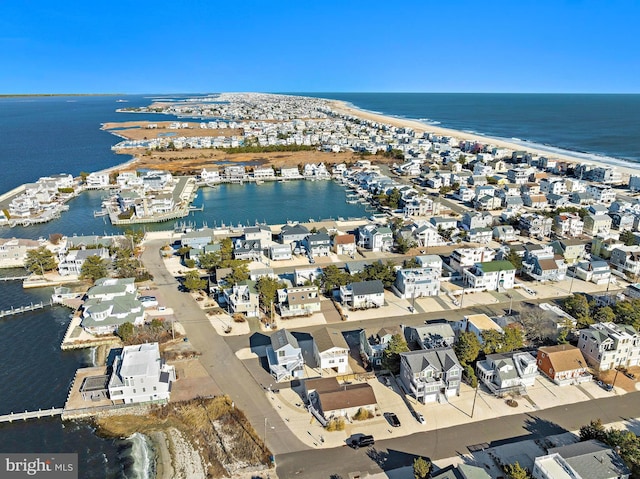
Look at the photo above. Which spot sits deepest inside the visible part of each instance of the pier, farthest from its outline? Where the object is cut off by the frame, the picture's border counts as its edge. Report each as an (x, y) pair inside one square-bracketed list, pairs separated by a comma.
[(24, 309), (14, 278), (23, 416)]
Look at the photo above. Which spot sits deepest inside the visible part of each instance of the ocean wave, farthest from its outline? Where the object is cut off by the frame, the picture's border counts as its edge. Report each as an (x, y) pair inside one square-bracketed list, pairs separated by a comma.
[(138, 457)]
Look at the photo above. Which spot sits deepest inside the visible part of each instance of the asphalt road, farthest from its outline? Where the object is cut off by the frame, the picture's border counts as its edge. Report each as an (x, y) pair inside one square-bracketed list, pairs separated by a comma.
[(443, 443), (227, 371)]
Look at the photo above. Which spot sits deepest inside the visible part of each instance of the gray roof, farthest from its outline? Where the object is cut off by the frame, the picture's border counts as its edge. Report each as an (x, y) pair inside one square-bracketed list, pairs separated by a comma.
[(441, 359), (328, 338), (592, 459), (367, 287), (281, 338)]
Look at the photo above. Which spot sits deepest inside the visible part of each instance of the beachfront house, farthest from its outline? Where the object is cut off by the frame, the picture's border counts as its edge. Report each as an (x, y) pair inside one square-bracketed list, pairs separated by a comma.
[(140, 375)]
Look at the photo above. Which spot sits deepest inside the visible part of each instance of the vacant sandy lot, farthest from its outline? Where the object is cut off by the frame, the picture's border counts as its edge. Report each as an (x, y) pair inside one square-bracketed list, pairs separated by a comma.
[(137, 130)]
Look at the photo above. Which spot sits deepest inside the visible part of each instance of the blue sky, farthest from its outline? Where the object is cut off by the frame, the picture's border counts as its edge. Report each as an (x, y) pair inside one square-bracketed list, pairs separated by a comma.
[(322, 46)]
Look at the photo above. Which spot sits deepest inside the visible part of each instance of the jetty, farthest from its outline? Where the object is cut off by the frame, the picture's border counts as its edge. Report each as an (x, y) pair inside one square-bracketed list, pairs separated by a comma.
[(25, 309), (23, 416)]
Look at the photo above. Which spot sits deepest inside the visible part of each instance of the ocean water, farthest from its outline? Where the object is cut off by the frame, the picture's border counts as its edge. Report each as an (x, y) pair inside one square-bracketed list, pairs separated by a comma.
[(61, 134), (602, 125)]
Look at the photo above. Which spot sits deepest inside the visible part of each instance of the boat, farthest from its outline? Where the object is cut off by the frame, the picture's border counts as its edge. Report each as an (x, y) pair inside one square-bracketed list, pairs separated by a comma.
[(102, 212)]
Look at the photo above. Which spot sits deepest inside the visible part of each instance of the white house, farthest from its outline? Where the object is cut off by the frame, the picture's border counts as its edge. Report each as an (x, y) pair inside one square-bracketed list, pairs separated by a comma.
[(609, 345), (363, 295), (330, 350), (284, 356), (508, 373), (431, 375), (72, 262), (417, 282), (111, 303), (492, 276), (140, 375)]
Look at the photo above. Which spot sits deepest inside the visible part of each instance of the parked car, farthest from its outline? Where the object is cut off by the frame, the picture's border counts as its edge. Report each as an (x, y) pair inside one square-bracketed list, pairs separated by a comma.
[(393, 419), (605, 386), (629, 375), (361, 440), (420, 418)]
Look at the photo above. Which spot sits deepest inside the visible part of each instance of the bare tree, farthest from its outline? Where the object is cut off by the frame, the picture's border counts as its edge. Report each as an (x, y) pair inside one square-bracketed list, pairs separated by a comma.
[(537, 324)]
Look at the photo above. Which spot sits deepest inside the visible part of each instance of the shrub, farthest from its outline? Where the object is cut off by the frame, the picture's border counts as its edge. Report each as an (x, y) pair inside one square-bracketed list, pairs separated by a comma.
[(362, 414), (335, 424), (190, 263)]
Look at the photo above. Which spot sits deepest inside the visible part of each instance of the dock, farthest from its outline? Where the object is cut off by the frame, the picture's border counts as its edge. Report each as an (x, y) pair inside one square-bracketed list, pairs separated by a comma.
[(23, 416), (13, 278), (25, 309)]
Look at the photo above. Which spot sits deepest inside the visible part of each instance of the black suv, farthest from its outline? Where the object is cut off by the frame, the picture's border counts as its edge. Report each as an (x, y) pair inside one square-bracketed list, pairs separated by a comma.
[(361, 441)]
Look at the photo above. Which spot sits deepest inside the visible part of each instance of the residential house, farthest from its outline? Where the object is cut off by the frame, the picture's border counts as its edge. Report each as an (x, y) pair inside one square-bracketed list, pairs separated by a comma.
[(602, 194), (491, 276), (140, 375), (609, 345), (623, 221), (603, 247), (317, 244), (582, 460), (247, 249), (330, 350), (535, 201), (563, 364), (626, 259), (443, 223), (258, 232), (504, 233), (431, 375), (97, 180), (264, 173), (431, 335), (293, 234), (110, 303), (535, 225), (518, 176), (461, 471), (375, 237), (597, 224), (363, 295), (284, 356), (417, 282), (480, 235), (475, 219), (197, 239), (328, 399), (210, 176), (373, 342), (72, 262), (476, 324), (507, 373), (568, 224), (597, 272), (571, 250), (243, 298), (298, 301), (14, 251), (462, 258), (344, 245), (581, 198), (280, 252)]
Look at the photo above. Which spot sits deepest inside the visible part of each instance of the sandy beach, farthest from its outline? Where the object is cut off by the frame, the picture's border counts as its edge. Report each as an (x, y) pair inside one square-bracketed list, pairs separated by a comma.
[(626, 168)]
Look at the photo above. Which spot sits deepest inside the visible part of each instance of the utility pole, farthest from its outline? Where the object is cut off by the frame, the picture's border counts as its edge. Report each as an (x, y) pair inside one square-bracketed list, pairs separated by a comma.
[(473, 407)]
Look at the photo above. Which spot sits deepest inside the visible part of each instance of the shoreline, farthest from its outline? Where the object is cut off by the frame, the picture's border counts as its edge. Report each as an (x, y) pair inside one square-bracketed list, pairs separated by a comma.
[(626, 167)]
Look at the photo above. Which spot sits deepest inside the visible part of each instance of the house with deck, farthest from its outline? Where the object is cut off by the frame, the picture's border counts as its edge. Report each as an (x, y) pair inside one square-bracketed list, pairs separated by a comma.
[(331, 350), (430, 375), (506, 373), (140, 375), (363, 294), (284, 356)]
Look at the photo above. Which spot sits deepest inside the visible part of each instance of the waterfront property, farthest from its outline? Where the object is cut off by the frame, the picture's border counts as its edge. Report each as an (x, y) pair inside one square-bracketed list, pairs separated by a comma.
[(140, 375), (111, 303)]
